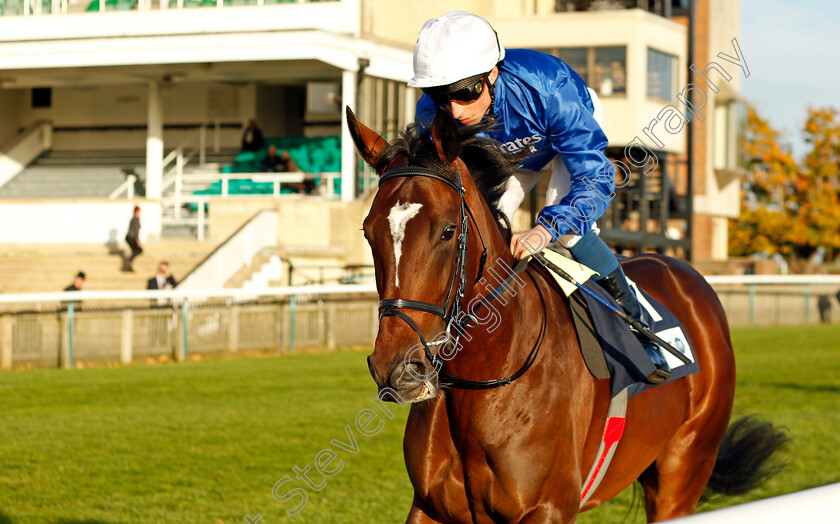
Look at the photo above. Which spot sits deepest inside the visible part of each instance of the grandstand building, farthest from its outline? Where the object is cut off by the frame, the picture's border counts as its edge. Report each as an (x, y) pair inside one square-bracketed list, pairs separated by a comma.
[(104, 105)]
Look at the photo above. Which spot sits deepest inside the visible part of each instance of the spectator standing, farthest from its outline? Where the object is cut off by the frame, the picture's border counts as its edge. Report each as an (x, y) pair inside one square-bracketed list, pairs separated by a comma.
[(132, 238), (252, 138), (824, 307)]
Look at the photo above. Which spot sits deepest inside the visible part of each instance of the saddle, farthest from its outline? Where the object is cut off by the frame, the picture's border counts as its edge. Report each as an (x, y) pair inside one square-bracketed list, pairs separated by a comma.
[(610, 349)]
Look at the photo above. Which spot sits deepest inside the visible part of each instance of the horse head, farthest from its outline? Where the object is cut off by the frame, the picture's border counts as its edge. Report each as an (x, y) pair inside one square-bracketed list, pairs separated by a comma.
[(430, 230)]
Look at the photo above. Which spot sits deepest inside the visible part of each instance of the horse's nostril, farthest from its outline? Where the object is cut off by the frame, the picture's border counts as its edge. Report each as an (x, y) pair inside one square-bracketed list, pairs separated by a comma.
[(374, 373), (416, 370)]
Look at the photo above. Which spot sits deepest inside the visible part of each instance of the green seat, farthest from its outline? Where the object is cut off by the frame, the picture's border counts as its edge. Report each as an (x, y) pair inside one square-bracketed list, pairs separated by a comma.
[(113, 5)]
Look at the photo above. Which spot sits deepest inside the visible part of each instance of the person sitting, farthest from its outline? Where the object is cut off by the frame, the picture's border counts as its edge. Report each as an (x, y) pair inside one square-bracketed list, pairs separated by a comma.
[(76, 285), (78, 282), (284, 163), (163, 279), (281, 163)]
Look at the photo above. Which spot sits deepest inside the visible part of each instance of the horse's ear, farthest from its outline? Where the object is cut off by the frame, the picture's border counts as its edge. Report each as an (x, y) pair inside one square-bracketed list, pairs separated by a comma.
[(368, 142), (445, 136)]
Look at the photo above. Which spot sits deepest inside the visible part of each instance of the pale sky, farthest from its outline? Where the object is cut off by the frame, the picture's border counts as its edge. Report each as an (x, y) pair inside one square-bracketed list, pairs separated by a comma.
[(793, 51)]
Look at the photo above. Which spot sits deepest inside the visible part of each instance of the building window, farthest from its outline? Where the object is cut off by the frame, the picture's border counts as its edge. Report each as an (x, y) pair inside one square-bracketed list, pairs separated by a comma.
[(610, 71), (604, 69), (661, 75), (730, 119), (658, 7), (41, 97), (680, 7)]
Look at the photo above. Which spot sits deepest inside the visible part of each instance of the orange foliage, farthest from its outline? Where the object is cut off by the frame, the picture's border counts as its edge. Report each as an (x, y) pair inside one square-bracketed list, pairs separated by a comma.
[(786, 207)]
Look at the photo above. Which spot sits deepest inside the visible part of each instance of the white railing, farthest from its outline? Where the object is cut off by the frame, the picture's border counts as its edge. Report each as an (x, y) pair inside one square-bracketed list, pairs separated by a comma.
[(207, 318), (180, 294), (35, 7), (751, 280), (25, 148), (126, 188), (199, 221), (276, 179), (752, 300), (237, 251), (817, 505), (49, 329), (194, 144), (179, 198)]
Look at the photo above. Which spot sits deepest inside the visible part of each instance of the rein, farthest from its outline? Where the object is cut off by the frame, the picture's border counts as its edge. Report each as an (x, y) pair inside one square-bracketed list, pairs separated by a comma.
[(452, 313)]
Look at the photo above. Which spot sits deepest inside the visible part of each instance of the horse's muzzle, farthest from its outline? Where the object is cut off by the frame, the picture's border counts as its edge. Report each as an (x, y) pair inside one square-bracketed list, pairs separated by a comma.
[(413, 381)]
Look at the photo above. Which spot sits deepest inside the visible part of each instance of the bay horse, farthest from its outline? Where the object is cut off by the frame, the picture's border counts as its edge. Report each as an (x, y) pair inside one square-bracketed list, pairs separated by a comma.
[(520, 452)]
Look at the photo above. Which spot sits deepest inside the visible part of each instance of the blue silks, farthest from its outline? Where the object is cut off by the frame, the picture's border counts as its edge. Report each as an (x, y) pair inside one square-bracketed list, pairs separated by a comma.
[(543, 105)]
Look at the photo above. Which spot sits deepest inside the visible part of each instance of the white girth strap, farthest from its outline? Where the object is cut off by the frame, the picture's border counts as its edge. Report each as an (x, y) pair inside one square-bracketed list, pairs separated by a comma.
[(613, 431)]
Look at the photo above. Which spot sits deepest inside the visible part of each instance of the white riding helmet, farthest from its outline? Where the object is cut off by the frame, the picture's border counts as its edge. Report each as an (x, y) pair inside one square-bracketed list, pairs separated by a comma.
[(453, 47)]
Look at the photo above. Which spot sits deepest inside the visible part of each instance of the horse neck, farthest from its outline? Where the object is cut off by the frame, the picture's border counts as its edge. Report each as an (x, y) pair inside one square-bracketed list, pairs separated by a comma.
[(510, 309)]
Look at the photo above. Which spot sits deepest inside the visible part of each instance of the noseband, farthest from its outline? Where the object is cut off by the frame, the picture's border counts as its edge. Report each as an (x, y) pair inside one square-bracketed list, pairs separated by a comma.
[(452, 313)]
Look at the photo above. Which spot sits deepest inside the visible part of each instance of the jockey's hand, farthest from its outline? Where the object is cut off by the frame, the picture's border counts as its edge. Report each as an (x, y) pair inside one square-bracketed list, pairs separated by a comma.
[(529, 242)]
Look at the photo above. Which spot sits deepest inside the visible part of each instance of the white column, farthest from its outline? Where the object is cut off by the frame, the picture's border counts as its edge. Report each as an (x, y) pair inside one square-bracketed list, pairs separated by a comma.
[(154, 143), (410, 104), (348, 150)]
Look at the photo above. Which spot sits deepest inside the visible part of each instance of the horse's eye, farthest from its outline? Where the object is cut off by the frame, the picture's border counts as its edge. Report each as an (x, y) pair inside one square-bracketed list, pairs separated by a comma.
[(448, 233)]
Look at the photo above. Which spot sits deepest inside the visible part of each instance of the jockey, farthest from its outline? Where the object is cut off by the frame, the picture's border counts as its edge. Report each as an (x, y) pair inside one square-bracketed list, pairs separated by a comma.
[(533, 101)]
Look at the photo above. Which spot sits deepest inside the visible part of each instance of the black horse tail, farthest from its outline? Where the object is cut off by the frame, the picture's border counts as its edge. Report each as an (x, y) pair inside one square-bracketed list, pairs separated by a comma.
[(749, 455)]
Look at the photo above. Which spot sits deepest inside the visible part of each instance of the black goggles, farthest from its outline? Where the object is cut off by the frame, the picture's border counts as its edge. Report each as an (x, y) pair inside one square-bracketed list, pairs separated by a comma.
[(466, 90)]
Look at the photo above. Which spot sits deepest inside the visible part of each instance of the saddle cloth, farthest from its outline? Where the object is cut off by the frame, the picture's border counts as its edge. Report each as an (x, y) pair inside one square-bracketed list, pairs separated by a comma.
[(610, 348)]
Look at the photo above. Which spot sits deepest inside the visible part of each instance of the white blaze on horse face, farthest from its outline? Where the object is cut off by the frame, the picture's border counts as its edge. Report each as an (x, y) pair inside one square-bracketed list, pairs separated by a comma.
[(398, 217)]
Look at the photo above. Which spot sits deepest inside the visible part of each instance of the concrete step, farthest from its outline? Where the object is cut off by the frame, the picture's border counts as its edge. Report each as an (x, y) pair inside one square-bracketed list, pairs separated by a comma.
[(47, 268), (50, 182)]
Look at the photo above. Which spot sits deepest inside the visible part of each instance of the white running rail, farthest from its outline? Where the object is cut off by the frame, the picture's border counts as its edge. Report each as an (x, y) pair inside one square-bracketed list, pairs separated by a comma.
[(814, 506)]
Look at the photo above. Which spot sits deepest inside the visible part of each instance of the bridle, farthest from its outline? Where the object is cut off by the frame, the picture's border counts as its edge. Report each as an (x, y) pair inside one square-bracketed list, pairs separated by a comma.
[(452, 312)]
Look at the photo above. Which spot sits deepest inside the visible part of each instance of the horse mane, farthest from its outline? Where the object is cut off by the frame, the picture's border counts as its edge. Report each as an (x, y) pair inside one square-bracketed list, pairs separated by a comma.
[(489, 164)]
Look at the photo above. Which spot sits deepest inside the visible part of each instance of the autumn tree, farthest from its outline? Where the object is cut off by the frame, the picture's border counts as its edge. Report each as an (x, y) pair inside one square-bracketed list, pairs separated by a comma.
[(788, 207)]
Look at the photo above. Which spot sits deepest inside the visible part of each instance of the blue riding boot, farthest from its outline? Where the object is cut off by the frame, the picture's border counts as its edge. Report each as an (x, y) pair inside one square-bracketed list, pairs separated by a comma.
[(616, 285), (590, 250)]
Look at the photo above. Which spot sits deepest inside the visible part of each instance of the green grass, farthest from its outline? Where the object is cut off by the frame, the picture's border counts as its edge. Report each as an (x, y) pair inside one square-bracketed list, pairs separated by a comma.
[(207, 441)]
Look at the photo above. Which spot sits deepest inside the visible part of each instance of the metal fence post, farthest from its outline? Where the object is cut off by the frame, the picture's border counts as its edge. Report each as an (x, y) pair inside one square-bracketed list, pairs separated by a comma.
[(281, 328), (807, 303), (6, 341), (233, 329), (127, 336), (330, 325), (292, 307), (185, 313), (752, 305), (70, 315)]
